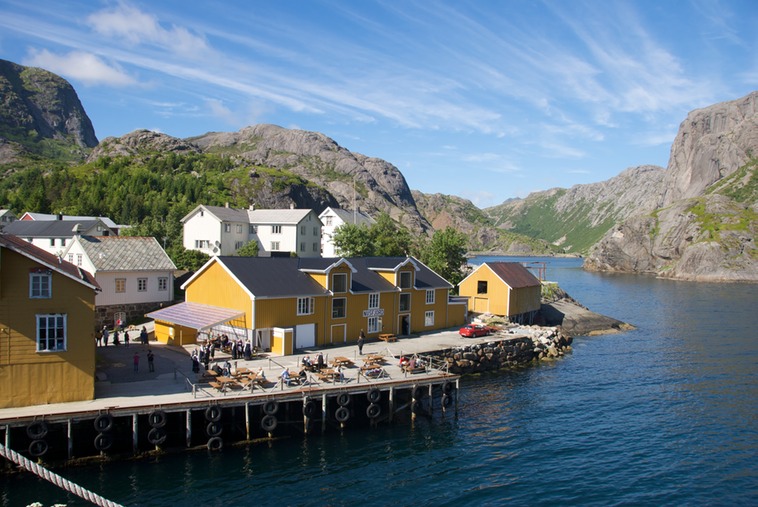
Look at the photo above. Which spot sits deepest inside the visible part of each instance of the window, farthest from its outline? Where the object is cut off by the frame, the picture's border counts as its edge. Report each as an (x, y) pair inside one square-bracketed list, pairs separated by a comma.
[(253, 229), (238, 244), (52, 241), (202, 243), (274, 246), (304, 306), (239, 228), (405, 302), (481, 287), (120, 285), (41, 284), (302, 246), (430, 297), (227, 227), (316, 247), (276, 229), (302, 230), (63, 241), (339, 282), (78, 259), (328, 220), (373, 300), (315, 231), (338, 308), (51, 332), (163, 283), (428, 319), (71, 258), (405, 279), (374, 325), (141, 284)]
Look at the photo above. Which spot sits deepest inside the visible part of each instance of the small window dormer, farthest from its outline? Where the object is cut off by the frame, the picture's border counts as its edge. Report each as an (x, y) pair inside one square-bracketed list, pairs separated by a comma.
[(406, 280), (339, 282)]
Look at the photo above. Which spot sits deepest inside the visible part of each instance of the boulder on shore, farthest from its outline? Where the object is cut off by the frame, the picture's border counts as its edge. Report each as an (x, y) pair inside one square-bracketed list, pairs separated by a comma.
[(576, 320)]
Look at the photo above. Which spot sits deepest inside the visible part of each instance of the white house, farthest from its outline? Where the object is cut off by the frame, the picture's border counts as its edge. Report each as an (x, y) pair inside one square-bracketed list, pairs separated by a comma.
[(220, 230), (333, 218), (54, 236), (134, 273), (6, 217)]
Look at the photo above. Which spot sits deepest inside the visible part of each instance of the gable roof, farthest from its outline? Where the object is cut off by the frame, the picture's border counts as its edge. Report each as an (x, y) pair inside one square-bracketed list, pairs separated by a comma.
[(513, 274), (349, 217), (125, 253), (23, 247), (277, 216), (288, 276), (51, 228), (50, 217), (220, 213)]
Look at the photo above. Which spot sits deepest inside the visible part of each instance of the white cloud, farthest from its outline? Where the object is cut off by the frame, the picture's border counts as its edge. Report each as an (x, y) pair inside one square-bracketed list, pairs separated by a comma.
[(81, 66)]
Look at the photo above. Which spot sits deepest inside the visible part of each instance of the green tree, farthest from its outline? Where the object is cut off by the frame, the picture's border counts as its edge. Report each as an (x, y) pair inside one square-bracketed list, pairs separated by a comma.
[(189, 260), (446, 254), (352, 240), (248, 250), (390, 239)]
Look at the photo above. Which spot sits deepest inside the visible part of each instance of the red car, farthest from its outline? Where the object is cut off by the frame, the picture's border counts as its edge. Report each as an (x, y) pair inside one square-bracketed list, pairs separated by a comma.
[(474, 330)]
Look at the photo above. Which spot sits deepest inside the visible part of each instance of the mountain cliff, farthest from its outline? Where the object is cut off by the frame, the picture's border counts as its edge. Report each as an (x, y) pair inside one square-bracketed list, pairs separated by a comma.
[(40, 114), (705, 226)]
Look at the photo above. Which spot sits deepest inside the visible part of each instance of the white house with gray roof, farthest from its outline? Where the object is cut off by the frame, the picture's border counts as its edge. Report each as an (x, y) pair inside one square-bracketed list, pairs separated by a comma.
[(332, 218), (54, 236), (221, 230), (134, 273)]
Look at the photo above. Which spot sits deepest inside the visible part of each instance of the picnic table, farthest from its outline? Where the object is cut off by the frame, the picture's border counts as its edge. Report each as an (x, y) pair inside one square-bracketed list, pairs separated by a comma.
[(328, 375), (341, 361), (388, 337)]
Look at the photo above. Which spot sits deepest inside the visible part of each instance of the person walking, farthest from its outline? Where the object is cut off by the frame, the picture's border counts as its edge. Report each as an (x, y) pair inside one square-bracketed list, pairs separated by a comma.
[(361, 340), (143, 336), (105, 336), (136, 362), (126, 338), (150, 359)]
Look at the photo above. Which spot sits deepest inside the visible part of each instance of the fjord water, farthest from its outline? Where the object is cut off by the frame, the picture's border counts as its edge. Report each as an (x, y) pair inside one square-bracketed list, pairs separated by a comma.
[(664, 415)]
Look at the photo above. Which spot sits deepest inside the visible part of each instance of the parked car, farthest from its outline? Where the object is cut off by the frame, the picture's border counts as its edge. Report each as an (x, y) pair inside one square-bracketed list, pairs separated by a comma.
[(474, 330)]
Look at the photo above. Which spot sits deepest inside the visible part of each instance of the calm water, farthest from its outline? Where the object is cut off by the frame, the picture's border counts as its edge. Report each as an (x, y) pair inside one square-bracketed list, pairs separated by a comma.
[(663, 415)]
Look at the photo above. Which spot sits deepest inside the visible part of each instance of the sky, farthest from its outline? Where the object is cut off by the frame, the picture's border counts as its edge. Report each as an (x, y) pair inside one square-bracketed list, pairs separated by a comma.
[(486, 100)]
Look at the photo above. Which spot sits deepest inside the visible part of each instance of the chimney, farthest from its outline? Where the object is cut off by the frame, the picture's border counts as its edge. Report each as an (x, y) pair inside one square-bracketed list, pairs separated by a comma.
[(252, 206), (292, 205), (59, 216), (226, 205)]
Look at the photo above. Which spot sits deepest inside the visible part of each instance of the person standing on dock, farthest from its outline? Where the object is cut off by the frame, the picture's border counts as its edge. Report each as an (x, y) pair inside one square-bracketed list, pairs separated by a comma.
[(126, 338), (136, 362), (105, 336), (361, 341), (150, 359)]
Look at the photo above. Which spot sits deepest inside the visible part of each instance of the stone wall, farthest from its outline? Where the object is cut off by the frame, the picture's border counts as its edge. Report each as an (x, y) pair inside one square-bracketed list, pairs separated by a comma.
[(105, 315), (517, 346)]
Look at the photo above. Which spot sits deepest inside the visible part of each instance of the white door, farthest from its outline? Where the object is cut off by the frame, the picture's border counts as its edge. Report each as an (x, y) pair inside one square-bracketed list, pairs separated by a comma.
[(305, 336)]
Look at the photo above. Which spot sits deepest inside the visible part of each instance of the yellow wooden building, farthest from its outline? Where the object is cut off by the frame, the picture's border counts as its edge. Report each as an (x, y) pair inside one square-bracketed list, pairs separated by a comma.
[(47, 325), (295, 303), (502, 288)]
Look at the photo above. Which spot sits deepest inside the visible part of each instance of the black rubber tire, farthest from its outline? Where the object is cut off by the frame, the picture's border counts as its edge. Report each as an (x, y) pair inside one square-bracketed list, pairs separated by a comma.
[(38, 448), (309, 408), (269, 423), (215, 444), (447, 400), (157, 418), (418, 392), (214, 429), (415, 407), (270, 407), (343, 399), (156, 436), (213, 413), (37, 430), (342, 414), (374, 395), (103, 441), (104, 423), (373, 411), (448, 387)]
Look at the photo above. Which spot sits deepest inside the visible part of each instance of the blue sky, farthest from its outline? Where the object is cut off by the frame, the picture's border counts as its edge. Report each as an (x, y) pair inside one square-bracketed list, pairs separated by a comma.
[(486, 100)]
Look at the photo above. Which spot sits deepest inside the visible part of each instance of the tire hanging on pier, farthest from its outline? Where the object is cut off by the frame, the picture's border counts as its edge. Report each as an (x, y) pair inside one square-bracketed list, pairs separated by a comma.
[(38, 448), (448, 387), (269, 423), (214, 429), (342, 414), (309, 408), (343, 399), (416, 407), (37, 430), (104, 423), (418, 392), (103, 441), (156, 436), (270, 407), (373, 411), (157, 418), (447, 400), (215, 444), (374, 395), (213, 413)]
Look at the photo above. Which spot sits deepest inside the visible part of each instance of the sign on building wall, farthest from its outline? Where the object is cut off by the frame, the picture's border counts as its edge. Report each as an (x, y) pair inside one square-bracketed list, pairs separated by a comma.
[(374, 312)]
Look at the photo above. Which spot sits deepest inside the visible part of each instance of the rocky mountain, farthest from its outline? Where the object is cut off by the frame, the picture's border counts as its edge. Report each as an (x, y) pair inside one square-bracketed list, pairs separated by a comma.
[(705, 227), (40, 114), (574, 219)]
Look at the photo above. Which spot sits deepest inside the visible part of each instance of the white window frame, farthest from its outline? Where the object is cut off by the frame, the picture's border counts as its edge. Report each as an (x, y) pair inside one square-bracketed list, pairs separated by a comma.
[(253, 229), (328, 219), (122, 283), (342, 276), (239, 228), (407, 297), (274, 246), (41, 284), (141, 284), (430, 296), (305, 306), (405, 279), (276, 229), (227, 227), (344, 308), (55, 322), (373, 300), (374, 325), (162, 283), (78, 259), (429, 318)]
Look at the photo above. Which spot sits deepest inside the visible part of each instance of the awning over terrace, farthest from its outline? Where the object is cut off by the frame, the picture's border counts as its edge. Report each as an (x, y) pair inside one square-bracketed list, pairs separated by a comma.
[(195, 315)]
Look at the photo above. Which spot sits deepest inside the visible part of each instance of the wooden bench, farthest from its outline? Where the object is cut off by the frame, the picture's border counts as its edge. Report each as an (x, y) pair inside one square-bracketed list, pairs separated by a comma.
[(388, 337)]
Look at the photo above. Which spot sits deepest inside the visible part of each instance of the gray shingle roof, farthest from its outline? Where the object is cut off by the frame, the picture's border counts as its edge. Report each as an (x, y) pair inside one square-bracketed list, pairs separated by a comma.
[(126, 253), (50, 228), (277, 216), (228, 214), (50, 217)]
